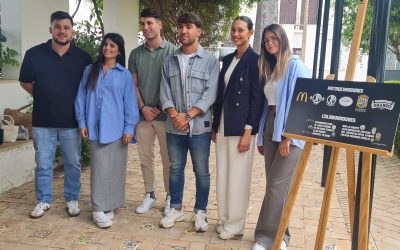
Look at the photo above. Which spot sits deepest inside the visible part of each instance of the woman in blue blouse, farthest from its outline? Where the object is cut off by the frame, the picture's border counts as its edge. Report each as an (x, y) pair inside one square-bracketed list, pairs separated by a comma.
[(107, 113), (279, 71)]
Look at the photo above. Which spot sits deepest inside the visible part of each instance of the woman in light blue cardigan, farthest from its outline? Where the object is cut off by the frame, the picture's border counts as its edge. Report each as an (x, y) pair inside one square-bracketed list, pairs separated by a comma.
[(279, 71)]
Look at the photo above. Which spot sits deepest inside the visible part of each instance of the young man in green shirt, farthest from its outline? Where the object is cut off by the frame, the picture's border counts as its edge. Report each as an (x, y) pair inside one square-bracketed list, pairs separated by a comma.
[(145, 65)]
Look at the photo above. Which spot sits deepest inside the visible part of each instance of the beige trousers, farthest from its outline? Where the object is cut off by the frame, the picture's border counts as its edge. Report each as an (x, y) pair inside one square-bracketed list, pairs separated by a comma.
[(233, 182), (146, 133)]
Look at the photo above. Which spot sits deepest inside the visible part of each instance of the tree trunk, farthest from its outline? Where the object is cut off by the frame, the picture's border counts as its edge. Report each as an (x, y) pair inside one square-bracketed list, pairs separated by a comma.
[(267, 13)]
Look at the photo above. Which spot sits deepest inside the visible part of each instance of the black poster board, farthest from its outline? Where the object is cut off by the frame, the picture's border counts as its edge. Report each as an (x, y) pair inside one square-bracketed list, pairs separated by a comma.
[(360, 114)]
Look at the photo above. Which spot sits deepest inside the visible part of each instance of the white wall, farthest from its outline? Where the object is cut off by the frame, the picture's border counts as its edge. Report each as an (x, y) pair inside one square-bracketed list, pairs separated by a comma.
[(35, 17), (362, 63), (122, 16), (12, 95), (26, 23), (16, 166)]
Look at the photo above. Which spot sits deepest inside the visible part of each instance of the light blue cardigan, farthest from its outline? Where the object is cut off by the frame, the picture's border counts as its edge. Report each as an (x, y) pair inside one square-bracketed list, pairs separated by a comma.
[(284, 92)]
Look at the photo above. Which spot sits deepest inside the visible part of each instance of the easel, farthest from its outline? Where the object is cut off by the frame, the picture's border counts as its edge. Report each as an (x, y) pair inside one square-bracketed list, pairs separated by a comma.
[(366, 163)]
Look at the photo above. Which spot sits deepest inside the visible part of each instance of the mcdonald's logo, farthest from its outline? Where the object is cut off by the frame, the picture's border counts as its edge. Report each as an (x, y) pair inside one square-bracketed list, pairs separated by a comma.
[(302, 96)]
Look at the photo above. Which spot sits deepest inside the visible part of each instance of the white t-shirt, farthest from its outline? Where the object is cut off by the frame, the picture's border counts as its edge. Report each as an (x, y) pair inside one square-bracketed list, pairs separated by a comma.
[(184, 62), (270, 92), (230, 69)]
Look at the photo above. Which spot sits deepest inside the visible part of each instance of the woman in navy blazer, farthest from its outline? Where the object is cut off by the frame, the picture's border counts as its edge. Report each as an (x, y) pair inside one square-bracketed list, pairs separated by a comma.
[(237, 114)]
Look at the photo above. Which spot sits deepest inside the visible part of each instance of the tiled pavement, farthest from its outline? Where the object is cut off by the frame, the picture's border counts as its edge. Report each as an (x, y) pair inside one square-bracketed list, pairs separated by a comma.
[(131, 231)]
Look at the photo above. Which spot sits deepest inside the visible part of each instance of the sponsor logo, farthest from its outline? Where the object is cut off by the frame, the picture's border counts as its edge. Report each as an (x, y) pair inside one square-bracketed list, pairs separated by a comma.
[(378, 136), (302, 96), (317, 98), (362, 103), (345, 101), (382, 104), (331, 100)]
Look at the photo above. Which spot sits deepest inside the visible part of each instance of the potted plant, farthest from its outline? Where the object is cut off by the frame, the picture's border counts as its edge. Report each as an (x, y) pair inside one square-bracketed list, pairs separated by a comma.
[(7, 56)]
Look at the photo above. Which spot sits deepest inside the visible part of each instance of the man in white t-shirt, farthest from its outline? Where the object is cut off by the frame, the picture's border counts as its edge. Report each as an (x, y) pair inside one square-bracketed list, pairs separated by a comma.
[(189, 81)]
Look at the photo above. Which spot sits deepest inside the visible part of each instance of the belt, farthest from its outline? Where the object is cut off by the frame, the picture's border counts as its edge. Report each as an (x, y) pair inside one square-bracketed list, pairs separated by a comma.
[(272, 108)]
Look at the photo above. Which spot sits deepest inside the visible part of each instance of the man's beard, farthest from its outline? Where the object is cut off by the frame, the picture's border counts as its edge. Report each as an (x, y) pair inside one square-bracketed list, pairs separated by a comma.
[(62, 43)]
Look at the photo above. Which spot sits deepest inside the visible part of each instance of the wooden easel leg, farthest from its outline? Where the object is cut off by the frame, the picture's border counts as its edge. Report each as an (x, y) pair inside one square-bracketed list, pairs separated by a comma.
[(330, 181), (351, 180), (292, 195), (364, 202)]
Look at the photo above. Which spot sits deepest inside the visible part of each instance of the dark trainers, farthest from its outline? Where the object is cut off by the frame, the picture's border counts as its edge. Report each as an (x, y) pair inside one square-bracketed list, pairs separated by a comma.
[(40, 209)]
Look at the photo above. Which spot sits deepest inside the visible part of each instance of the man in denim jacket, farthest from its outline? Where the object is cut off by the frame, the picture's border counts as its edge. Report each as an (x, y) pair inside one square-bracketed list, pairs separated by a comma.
[(189, 81)]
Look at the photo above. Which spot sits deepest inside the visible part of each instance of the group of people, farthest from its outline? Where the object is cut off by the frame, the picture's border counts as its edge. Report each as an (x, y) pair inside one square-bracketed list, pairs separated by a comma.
[(178, 95)]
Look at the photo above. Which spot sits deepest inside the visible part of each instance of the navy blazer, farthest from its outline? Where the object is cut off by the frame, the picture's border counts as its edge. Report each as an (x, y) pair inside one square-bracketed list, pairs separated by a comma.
[(243, 98)]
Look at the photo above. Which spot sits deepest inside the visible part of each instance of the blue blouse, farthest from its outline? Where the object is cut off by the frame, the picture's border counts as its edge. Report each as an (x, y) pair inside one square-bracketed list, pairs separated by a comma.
[(111, 110), (284, 92)]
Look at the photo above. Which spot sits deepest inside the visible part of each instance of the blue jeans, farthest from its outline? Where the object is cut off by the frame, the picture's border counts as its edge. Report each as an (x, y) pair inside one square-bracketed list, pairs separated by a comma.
[(199, 148), (45, 142)]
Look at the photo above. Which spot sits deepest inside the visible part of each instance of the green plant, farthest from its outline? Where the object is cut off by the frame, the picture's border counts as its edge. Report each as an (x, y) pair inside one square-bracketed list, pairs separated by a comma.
[(393, 81), (349, 18), (7, 57), (85, 152), (217, 17), (89, 33)]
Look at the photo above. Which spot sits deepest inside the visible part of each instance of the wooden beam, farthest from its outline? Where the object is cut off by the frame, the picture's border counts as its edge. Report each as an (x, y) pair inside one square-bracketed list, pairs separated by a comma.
[(355, 42), (326, 203)]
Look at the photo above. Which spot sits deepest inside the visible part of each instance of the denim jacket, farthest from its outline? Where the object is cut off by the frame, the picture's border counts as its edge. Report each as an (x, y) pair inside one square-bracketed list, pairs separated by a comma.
[(199, 89)]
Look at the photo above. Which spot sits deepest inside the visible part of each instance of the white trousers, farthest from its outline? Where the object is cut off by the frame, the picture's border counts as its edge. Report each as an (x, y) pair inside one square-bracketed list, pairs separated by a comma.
[(233, 182)]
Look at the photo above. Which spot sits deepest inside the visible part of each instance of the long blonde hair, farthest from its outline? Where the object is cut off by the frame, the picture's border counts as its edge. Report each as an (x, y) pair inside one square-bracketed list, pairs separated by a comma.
[(272, 68)]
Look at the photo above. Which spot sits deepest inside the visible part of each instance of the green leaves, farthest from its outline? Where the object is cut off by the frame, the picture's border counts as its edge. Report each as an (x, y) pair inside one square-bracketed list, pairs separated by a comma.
[(7, 57), (217, 16), (350, 12)]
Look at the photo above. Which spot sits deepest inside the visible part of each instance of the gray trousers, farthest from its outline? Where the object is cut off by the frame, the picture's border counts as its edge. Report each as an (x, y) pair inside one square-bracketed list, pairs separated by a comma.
[(279, 172), (108, 175)]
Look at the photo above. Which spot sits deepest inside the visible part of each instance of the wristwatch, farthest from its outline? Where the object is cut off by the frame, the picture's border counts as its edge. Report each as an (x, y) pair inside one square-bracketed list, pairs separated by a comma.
[(188, 117)]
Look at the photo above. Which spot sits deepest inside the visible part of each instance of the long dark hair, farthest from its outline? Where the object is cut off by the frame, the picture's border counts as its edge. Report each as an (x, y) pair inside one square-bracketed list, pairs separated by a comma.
[(95, 70)]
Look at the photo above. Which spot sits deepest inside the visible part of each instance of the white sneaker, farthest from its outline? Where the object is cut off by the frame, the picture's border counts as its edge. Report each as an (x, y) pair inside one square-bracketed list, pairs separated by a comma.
[(109, 214), (40, 209), (220, 228), (283, 245), (170, 219), (200, 221), (147, 203), (73, 208), (101, 220), (167, 207), (257, 246)]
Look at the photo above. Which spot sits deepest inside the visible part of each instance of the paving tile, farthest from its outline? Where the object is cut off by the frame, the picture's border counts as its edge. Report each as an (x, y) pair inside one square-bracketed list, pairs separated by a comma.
[(133, 231)]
